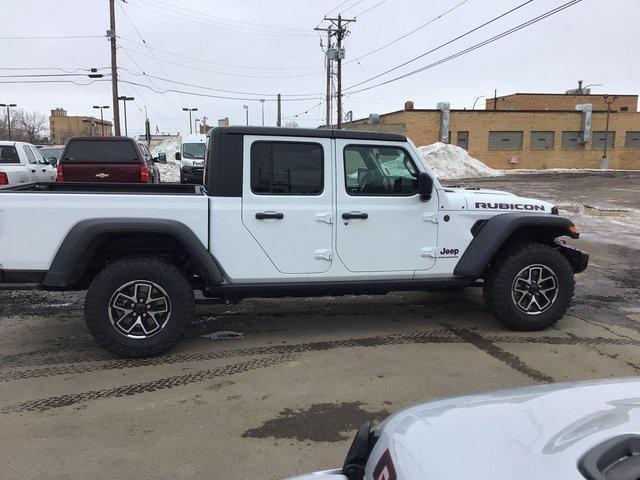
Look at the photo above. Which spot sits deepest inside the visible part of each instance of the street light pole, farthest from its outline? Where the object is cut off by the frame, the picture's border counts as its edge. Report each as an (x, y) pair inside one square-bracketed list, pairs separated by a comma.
[(195, 126), (185, 109), (101, 116), (125, 99), (476, 101), (262, 104), (246, 111), (604, 162), (8, 105)]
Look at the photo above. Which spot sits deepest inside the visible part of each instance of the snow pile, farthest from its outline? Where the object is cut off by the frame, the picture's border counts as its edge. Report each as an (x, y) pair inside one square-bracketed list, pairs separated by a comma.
[(170, 171), (451, 161)]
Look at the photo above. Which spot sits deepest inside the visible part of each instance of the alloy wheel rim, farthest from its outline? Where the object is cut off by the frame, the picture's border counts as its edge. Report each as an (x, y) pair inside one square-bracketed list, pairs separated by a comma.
[(139, 309), (535, 289)]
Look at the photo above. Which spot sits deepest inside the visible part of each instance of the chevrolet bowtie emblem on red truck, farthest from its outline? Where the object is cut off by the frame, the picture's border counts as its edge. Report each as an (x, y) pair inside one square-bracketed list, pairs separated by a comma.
[(102, 175)]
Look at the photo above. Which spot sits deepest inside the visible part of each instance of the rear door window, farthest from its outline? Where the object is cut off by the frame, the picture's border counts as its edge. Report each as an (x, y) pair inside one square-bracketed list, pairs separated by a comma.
[(8, 154), (193, 150), (30, 156), (101, 151), (287, 168)]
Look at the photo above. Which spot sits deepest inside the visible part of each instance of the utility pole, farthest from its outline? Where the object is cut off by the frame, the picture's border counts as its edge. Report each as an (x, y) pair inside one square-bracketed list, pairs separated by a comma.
[(111, 33), (262, 105), (340, 33), (8, 105), (101, 116), (604, 162), (125, 99), (185, 109), (246, 111), (279, 121), (330, 31), (147, 127)]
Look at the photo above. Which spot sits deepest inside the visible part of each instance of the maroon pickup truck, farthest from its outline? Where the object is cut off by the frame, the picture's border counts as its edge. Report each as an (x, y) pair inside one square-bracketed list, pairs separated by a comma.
[(106, 159)]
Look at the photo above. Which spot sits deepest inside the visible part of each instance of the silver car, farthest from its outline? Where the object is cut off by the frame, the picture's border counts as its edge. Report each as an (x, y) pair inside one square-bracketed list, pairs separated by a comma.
[(587, 430)]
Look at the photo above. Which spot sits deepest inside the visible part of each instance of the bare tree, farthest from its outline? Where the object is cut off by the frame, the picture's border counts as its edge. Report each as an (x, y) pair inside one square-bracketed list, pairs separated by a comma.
[(32, 124)]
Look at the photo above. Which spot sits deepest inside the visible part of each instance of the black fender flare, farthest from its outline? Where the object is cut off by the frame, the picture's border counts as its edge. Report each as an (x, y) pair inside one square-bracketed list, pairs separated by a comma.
[(71, 253), (498, 229)]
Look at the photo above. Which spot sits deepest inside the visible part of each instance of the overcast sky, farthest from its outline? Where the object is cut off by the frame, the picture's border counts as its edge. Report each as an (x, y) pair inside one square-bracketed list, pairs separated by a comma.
[(269, 46)]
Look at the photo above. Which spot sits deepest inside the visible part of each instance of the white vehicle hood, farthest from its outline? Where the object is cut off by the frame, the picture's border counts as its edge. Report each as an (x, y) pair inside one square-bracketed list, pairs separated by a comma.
[(529, 433), (480, 199)]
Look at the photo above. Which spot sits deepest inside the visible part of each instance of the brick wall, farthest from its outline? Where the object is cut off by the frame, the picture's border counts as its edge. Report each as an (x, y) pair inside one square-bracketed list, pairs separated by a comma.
[(561, 101), (423, 126)]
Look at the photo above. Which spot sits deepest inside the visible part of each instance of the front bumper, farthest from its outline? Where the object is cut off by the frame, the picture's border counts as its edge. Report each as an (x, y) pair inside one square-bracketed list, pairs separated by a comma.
[(191, 174)]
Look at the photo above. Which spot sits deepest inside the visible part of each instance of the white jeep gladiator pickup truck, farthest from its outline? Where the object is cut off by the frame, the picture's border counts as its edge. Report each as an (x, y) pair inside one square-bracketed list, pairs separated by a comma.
[(283, 212)]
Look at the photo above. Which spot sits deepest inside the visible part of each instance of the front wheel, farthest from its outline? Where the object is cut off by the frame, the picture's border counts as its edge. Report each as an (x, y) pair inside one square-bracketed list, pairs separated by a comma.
[(529, 286), (139, 306)]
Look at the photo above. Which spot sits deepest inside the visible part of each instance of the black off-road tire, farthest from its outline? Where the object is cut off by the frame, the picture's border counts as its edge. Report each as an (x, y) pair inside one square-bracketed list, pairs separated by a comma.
[(499, 281), (144, 268)]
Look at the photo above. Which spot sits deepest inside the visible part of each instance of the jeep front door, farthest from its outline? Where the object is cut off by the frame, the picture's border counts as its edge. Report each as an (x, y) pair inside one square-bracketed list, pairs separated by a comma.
[(382, 224)]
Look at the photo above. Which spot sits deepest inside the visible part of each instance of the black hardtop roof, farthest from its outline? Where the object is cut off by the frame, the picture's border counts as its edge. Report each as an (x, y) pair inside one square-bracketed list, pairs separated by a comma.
[(310, 132)]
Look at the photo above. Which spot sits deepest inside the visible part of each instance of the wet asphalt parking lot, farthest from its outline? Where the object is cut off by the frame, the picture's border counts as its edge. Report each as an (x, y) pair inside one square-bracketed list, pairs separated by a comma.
[(281, 385)]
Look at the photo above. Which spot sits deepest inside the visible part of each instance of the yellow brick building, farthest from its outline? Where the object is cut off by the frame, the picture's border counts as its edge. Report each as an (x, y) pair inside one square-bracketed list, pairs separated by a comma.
[(63, 126), (528, 137)]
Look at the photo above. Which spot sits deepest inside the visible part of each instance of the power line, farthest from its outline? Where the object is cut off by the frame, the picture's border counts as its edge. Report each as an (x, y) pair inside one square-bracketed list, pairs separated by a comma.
[(230, 19), (211, 23), (351, 6), (150, 51), (59, 69), (39, 75), (411, 32), (250, 67), (55, 81), (197, 94), (370, 8), (214, 89), (336, 8), (469, 32), (217, 72), (154, 108), (51, 37), (476, 46)]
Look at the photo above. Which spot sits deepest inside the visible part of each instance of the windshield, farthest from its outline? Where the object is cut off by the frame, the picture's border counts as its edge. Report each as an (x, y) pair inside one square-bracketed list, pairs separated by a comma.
[(193, 150), (8, 154)]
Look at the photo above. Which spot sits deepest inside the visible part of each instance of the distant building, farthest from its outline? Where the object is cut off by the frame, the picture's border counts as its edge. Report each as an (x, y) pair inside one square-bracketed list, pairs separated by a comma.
[(63, 126), (527, 130)]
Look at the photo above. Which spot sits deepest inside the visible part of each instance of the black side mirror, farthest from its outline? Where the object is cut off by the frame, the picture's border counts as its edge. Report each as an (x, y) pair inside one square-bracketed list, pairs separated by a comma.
[(425, 186), (53, 161), (162, 157), (178, 156)]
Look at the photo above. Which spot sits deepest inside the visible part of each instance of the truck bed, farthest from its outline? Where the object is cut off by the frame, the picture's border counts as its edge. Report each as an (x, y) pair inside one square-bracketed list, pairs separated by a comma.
[(106, 188)]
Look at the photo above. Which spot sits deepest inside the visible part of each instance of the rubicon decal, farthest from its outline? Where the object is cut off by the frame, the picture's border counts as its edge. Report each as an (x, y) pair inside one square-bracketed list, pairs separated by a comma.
[(511, 206), (385, 470)]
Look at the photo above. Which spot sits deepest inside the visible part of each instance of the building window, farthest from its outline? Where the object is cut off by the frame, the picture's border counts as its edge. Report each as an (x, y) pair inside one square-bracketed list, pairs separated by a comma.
[(624, 109), (598, 139), (543, 140), (572, 141), (287, 168), (463, 140), (632, 140), (505, 140), (379, 170)]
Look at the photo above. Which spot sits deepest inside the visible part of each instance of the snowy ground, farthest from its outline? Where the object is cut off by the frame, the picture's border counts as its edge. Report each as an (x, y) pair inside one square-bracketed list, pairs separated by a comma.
[(170, 171)]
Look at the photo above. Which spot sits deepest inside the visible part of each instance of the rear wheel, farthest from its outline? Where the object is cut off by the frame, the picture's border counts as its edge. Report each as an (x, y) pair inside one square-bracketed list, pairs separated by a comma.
[(529, 286), (139, 306)]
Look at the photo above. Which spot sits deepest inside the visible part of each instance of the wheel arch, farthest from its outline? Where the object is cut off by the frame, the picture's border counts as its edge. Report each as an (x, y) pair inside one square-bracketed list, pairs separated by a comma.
[(88, 238), (506, 228)]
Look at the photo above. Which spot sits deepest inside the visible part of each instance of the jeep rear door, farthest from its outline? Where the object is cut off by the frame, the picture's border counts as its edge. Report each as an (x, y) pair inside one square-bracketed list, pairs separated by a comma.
[(287, 200), (382, 223)]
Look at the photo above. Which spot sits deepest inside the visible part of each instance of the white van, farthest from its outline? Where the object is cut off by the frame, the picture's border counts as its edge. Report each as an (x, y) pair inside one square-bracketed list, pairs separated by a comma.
[(191, 156)]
